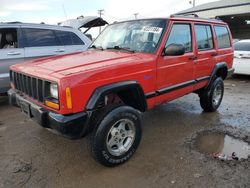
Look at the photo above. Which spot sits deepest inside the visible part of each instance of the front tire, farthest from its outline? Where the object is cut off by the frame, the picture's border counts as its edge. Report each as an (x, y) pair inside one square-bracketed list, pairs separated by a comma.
[(210, 98), (116, 136)]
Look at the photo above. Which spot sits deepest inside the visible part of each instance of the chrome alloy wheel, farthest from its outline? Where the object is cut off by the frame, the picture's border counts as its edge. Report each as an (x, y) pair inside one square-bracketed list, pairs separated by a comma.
[(217, 95), (121, 137)]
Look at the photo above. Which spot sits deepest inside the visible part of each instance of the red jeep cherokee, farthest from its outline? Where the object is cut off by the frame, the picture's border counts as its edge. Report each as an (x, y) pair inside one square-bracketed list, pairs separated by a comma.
[(130, 68)]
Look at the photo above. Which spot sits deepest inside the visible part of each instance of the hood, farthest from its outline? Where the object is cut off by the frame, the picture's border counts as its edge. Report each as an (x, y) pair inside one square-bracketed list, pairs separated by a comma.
[(78, 62)]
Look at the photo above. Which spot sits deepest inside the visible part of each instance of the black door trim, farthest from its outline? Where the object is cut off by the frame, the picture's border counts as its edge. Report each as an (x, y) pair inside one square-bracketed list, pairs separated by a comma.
[(176, 87)]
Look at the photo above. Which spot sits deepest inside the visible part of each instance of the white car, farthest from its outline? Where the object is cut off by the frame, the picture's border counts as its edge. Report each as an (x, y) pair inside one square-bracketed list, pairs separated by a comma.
[(242, 57), (20, 42)]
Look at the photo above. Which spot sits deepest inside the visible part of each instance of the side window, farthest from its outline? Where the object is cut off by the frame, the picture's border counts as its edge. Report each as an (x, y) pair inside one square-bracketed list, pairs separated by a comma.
[(64, 37), (40, 37), (222, 35), (204, 37), (8, 38), (1, 39), (76, 40), (181, 34), (68, 38)]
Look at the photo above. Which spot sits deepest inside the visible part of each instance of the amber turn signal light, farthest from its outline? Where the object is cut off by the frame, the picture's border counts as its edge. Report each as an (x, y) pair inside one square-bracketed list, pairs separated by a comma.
[(52, 104), (68, 98)]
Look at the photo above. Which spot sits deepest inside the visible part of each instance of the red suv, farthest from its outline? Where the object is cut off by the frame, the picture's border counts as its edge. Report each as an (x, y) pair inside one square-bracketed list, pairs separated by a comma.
[(130, 68)]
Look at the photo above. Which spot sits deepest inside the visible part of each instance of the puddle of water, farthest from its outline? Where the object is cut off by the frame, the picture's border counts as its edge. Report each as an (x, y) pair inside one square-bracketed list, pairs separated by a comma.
[(222, 143)]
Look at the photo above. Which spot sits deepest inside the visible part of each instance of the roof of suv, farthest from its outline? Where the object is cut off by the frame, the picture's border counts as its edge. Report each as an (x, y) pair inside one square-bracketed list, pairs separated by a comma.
[(18, 24), (182, 18), (194, 17)]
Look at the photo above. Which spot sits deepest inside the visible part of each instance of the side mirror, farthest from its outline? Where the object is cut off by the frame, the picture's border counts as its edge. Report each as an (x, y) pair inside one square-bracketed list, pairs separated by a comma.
[(174, 50)]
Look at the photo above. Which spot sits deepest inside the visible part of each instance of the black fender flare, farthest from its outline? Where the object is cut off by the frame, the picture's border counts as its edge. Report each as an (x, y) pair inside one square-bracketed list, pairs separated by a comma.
[(115, 87), (217, 67)]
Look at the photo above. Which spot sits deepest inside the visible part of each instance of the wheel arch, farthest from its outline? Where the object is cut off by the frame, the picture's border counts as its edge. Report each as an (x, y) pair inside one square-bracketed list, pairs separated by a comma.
[(130, 92), (220, 70)]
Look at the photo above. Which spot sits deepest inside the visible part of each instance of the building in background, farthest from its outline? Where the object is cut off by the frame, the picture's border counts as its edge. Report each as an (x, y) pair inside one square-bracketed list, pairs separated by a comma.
[(235, 12)]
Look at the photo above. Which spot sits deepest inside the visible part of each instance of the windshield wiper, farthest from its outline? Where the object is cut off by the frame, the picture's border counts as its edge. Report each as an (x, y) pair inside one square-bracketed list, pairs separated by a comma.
[(120, 48), (96, 47)]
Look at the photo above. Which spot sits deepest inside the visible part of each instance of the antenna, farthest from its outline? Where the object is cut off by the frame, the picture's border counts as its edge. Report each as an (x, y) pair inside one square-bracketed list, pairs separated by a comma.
[(64, 11)]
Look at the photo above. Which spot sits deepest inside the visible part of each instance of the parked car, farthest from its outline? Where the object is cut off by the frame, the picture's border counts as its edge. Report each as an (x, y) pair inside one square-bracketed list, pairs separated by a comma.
[(131, 67), (20, 42), (242, 57)]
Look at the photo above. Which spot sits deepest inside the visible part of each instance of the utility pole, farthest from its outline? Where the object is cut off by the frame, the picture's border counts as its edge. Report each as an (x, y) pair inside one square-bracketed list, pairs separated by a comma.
[(192, 2), (100, 12), (136, 14)]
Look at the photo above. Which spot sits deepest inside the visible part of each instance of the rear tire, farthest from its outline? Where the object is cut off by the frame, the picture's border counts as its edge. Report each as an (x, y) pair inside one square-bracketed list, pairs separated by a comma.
[(210, 98), (116, 136)]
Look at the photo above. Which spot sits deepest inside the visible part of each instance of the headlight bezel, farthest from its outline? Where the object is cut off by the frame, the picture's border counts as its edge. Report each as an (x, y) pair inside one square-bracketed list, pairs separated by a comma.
[(53, 91), (52, 95)]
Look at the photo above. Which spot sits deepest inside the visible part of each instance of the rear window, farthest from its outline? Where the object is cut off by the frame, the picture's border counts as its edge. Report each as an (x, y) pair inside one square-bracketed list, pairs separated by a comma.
[(242, 46), (204, 37), (40, 37), (68, 38), (222, 35)]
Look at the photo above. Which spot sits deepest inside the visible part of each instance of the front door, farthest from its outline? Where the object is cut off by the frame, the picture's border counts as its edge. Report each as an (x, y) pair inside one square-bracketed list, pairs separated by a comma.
[(175, 73)]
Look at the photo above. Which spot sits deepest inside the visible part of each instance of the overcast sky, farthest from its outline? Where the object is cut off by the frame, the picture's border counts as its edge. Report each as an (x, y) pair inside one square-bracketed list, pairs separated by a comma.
[(53, 11)]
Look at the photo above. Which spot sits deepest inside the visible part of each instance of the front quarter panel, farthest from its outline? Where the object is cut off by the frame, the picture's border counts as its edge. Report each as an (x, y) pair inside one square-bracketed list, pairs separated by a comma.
[(84, 84)]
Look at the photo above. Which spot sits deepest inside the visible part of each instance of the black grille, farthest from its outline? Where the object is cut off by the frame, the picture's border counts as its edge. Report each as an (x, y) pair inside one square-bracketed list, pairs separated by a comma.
[(31, 86)]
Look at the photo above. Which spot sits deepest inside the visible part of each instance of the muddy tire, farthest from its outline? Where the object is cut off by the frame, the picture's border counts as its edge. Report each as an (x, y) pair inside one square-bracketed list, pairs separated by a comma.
[(210, 99), (116, 136)]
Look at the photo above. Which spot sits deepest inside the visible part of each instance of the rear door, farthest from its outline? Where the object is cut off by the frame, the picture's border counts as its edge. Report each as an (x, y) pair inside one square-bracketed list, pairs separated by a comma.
[(11, 52), (41, 42), (205, 53), (224, 45)]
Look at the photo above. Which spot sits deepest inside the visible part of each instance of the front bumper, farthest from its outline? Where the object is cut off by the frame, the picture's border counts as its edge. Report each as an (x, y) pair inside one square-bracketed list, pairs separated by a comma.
[(71, 126)]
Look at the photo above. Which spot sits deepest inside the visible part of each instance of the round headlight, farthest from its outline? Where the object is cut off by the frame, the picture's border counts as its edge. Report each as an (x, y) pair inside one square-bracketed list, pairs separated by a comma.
[(54, 91)]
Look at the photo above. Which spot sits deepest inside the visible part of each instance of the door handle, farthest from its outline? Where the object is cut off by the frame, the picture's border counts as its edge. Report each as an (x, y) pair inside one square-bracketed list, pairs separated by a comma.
[(192, 57), (214, 54), (60, 50), (13, 53)]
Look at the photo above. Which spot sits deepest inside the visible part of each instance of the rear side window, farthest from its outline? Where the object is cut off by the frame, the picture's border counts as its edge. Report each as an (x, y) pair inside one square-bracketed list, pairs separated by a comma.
[(76, 39), (222, 36), (181, 34), (242, 46), (68, 38), (204, 37), (40, 37)]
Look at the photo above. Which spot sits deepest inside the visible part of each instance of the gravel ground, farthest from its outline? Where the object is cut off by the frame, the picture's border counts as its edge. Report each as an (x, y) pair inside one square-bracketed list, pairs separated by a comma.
[(31, 156)]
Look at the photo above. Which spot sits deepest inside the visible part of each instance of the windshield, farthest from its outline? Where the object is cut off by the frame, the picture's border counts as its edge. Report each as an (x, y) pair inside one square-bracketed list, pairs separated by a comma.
[(134, 36), (242, 46)]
